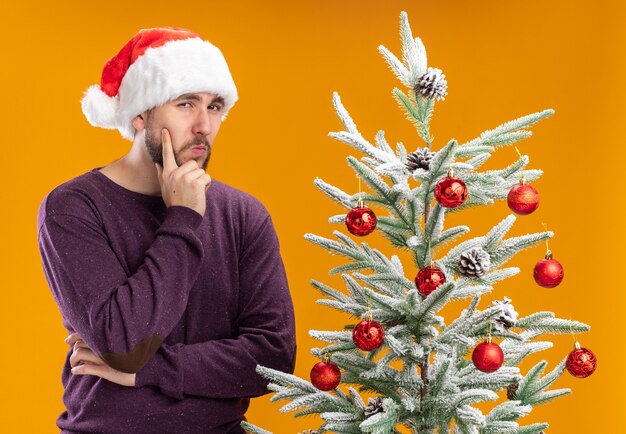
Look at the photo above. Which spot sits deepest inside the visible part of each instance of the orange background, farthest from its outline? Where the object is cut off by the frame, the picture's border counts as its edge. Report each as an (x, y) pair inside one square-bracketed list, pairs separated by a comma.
[(502, 60)]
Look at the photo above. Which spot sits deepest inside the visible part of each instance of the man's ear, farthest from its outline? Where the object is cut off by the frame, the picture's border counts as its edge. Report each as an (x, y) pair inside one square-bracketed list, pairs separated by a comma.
[(139, 122)]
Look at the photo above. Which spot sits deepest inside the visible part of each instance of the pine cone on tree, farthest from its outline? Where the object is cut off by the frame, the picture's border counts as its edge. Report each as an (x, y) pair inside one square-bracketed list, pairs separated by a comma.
[(432, 84), (511, 390), (508, 318), (474, 262), (419, 159), (374, 405)]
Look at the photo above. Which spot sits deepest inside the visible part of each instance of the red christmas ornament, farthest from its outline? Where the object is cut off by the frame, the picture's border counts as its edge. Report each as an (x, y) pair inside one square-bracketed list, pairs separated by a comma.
[(428, 279), (325, 375), (361, 220), (523, 199), (488, 356), (548, 272), (581, 362), (450, 191), (368, 335)]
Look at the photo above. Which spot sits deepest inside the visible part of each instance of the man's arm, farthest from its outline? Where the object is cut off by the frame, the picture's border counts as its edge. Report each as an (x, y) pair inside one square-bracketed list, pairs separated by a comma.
[(225, 368), (122, 318)]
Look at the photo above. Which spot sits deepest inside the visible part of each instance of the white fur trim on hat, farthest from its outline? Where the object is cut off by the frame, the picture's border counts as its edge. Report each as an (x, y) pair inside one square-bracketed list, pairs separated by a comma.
[(164, 73)]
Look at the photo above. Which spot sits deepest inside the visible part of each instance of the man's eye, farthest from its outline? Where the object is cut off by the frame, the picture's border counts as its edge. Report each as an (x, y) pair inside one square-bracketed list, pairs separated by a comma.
[(215, 107), (182, 104)]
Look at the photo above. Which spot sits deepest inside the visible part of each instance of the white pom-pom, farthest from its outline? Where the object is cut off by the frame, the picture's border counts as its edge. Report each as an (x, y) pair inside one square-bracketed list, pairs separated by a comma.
[(99, 108)]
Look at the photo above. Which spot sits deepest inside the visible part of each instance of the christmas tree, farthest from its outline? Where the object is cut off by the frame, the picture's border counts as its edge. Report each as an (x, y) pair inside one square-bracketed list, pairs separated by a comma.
[(427, 374)]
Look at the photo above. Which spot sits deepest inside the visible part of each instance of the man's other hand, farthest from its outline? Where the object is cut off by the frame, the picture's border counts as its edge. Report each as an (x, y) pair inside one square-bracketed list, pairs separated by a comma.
[(85, 362)]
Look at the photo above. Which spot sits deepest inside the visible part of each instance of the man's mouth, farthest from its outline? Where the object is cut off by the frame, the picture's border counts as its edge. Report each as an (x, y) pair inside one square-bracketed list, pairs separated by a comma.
[(198, 150)]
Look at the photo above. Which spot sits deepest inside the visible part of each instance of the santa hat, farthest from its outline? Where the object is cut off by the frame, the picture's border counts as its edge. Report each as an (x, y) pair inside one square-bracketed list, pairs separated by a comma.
[(155, 66)]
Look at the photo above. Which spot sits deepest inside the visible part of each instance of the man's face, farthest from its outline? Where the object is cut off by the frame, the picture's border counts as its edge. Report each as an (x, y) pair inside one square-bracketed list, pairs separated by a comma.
[(192, 120)]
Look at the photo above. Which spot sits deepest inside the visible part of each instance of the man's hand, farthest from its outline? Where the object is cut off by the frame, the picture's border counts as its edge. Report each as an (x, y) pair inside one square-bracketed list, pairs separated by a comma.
[(183, 185), (94, 365)]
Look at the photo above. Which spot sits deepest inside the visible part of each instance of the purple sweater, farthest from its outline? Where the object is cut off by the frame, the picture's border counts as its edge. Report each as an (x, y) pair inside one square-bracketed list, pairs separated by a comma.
[(191, 304)]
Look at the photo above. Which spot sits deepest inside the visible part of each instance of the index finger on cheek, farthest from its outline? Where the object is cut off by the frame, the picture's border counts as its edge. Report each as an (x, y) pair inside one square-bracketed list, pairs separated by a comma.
[(169, 161)]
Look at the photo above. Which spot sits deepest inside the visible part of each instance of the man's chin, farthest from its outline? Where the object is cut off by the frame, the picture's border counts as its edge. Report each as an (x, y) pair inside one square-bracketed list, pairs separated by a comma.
[(202, 162)]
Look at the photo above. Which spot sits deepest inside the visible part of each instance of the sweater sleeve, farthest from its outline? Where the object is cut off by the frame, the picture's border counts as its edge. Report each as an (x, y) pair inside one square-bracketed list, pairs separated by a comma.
[(124, 319), (225, 368)]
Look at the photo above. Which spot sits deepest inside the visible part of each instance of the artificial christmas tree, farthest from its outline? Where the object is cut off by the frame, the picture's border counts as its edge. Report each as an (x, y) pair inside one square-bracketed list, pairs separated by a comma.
[(423, 373)]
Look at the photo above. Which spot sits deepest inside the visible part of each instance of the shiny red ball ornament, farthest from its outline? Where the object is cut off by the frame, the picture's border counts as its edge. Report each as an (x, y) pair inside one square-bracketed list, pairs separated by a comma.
[(548, 272), (523, 199), (581, 362), (488, 357), (361, 220), (368, 335), (450, 191), (325, 375), (428, 279)]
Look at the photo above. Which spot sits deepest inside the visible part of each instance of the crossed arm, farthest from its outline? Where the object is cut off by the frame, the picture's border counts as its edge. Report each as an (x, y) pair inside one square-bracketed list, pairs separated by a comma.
[(223, 368), (218, 368)]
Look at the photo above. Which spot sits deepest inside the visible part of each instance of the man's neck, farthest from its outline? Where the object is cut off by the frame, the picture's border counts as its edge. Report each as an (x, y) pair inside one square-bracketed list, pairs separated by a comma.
[(135, 171)]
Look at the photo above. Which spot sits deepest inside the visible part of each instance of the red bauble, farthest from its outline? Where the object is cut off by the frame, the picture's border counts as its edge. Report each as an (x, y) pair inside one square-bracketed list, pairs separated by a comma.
[(523, 199), (428, 279), (325, 375), (368, 335), (581, 362), (361, 221), (548, 272), (450, 192), (488, 357)]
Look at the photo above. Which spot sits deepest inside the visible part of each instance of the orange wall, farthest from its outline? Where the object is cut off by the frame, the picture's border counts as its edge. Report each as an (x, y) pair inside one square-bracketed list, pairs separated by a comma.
[(501, 59)]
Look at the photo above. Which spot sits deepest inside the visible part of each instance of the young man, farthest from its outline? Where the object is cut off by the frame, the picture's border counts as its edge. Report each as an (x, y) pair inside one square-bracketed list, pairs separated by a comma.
[(170, 284)]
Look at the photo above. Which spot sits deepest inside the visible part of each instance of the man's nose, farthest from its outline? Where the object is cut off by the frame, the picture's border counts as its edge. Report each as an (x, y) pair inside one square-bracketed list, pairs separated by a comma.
[(202, 125)]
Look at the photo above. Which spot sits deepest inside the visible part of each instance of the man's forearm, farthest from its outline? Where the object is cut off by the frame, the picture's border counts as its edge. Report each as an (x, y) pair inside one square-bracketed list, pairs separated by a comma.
[(222, 368), (105, 306), (265, 334)]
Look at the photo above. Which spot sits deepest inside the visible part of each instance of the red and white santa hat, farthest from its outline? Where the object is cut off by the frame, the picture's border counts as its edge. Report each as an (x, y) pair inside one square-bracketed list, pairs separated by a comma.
[(155, 66)]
